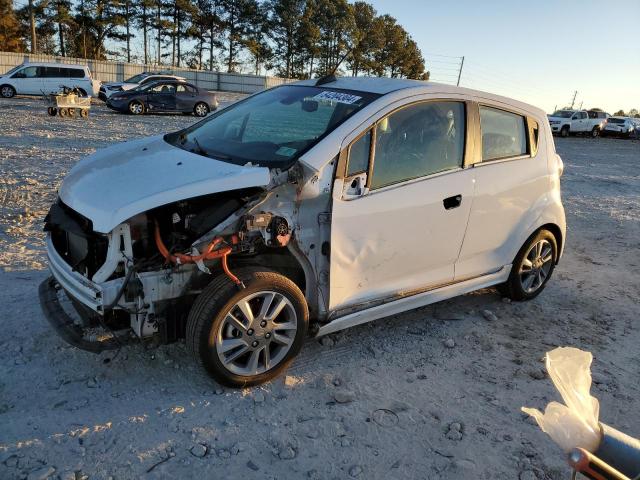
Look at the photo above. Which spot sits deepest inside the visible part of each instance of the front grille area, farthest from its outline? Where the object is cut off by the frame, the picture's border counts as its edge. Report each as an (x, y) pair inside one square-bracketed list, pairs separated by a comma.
[(74, 239)]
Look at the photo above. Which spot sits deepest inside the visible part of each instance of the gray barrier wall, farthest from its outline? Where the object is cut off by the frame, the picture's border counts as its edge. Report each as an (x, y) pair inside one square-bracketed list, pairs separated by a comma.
[(108, 71)]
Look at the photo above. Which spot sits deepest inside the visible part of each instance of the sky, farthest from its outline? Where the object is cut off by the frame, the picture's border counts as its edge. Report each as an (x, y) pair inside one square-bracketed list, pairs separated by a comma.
[(539, 52)]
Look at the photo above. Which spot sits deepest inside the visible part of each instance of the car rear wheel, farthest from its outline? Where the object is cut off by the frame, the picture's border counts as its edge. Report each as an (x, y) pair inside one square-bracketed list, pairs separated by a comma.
[(136, 108), (52, 111), (63, 112), (595, 132), (532, 267), (564, 131), (7, 91), (201, 109), (247, 336)]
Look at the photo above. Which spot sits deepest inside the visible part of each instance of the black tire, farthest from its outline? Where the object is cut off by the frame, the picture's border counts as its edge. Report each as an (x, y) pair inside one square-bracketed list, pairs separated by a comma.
[(513, 288), (564, 131), (72, 112), (136, 107), (52, 111), (63, 112), (84, 112), (7, 91), (595, 132), (208, 313), (201, 109)]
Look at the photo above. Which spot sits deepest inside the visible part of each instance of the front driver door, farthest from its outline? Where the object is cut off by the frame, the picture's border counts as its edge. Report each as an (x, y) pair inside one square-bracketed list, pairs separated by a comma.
[(401, 205), (29, 80), (162, 97)]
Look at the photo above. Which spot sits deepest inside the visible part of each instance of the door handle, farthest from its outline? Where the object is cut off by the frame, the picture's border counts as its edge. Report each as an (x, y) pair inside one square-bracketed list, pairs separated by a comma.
[(452, 202)]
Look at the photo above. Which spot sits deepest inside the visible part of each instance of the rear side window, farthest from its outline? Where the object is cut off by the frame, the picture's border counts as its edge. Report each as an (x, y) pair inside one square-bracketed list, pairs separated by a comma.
[(74, 72), (503, 134), (418, 140), (186, 88), (52, 72)]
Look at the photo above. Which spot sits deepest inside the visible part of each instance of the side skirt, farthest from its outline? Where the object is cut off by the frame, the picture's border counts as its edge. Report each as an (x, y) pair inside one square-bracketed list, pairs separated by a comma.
[(415, 301)]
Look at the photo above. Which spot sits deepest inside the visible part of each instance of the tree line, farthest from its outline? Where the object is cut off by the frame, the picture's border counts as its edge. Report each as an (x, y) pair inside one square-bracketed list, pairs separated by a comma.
[(292, 38)]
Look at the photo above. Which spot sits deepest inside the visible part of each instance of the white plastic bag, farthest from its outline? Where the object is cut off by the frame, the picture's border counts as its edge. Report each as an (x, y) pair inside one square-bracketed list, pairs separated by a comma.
[(574, 424)]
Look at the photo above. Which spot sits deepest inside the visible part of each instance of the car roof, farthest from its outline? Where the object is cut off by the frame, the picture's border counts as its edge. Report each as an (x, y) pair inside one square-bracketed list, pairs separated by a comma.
[(168, 80), (49, 64), (385, 85)]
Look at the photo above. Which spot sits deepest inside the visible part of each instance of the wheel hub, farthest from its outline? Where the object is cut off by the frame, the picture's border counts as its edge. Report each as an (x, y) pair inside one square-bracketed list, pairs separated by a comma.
[(257, 333)]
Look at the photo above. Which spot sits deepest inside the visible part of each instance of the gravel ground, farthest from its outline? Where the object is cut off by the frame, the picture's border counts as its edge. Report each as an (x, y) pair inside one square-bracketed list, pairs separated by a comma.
[(430, 394)]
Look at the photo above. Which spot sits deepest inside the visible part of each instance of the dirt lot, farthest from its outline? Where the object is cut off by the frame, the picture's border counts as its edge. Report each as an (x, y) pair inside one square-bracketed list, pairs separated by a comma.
[(434, 393)]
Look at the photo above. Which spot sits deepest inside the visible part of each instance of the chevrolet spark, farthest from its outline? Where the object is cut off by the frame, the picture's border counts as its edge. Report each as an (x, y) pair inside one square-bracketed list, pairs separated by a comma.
[(300, 211)]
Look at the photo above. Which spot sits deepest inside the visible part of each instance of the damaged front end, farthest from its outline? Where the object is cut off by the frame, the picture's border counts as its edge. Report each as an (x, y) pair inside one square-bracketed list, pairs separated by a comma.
[(143, 276)]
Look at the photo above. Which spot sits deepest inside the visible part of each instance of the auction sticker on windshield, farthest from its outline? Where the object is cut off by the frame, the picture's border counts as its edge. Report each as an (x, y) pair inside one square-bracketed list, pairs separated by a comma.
[(337, 97)]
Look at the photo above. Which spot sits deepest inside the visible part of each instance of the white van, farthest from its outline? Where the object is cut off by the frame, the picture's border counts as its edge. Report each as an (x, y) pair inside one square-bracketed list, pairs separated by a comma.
[(38, 78), (303, 210)]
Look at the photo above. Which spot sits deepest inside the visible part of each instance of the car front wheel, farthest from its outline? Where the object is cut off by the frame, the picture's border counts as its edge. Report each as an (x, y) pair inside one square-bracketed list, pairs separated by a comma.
[(7, 91), (201, 109), (246, 336), (532, 267), (595, 132), (136, 108)]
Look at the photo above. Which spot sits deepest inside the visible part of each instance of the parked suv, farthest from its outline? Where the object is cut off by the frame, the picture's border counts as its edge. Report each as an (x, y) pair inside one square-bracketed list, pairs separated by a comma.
[(619, 126), (303, 210), (144, 78), (36, 78), (566, 122)]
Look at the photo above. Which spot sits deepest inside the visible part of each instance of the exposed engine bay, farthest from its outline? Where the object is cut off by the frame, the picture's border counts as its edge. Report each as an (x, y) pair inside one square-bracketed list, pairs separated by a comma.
[(159, 261)]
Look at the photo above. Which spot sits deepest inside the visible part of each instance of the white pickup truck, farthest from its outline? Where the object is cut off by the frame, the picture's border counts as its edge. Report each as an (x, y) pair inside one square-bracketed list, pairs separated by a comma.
[(566, 122)]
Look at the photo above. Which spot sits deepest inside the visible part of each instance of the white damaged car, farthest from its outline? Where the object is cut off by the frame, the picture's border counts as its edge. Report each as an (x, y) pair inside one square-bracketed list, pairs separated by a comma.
[(300, 211)]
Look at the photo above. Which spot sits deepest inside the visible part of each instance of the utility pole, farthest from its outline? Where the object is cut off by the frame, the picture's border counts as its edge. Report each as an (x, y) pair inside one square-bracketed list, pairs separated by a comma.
[(575, 94), (32, 20), (460, 72), (581, 105)]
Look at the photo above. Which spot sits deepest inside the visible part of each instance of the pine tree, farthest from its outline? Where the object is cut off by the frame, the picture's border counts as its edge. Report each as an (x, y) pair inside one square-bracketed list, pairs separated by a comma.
[(236, 22), (10, 35)]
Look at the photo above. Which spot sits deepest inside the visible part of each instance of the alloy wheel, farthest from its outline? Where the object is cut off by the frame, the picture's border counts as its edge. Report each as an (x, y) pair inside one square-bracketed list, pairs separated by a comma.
[(201, 110), (536, 266), (7, 92), (256, 333), (135, 108)]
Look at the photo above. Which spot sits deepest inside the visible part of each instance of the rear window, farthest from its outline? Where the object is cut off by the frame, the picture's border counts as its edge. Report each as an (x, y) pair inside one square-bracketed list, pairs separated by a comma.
[(503, 134), (616, 120)]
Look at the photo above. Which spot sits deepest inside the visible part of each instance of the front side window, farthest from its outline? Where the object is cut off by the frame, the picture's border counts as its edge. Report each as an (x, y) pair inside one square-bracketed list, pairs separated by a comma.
[(273, 128), (29, 72), (163, 88), (418, 140), (503, 134)]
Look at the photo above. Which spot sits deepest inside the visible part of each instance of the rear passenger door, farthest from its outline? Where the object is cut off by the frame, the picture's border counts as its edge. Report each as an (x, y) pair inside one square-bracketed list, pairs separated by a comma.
[(400, 204), (511, 184), (185, 97)]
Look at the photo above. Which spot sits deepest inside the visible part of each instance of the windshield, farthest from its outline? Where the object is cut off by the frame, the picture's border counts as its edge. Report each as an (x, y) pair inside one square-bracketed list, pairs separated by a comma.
[(563, 114), (13, 70), (136, 78), (273, 128)]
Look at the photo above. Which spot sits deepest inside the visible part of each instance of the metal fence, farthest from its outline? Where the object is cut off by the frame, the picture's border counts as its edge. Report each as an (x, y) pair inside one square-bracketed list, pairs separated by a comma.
[(107, 71)]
